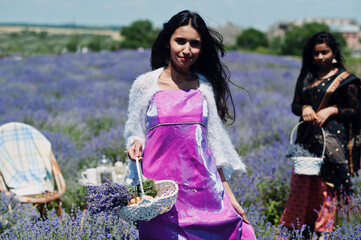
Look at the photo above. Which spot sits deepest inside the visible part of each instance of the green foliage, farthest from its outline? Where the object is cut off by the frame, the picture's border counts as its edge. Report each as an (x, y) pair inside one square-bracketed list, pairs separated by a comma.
[(43, 35), (75, 196), (148, 187), (353, 64), (95, 43), (14, 35), (139, 34), (115, 45), (252, 39), (340, 39), (273, 195), (275, 45), (73, 43), (296, 38), (29, 43), (99, 42), (100, 123)]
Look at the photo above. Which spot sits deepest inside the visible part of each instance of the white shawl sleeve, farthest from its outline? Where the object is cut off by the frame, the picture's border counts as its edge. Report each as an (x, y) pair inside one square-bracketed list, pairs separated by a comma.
[(134, 127), (141, 92), (219, 141)]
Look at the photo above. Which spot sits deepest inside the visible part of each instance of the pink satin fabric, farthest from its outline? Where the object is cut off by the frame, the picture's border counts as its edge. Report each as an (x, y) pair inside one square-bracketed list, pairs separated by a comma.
[(176, 149)]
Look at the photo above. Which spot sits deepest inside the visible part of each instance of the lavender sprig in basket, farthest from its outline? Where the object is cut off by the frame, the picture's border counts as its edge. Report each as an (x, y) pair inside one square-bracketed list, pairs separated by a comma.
[(116, 197), (147, 209), (111, 197), (107, 197), (297, 150)]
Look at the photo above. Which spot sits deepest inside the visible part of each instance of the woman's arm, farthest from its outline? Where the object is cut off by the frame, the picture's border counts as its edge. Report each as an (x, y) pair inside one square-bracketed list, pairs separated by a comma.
[(351, 102), (302, 108), (297, 104), (349, 107), (141, 92), (231, 196), (134, 128), (219, 141)]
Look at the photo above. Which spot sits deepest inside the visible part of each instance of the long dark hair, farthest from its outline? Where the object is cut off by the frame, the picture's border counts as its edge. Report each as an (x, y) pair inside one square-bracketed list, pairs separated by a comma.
[(309, 69), (208, 62)]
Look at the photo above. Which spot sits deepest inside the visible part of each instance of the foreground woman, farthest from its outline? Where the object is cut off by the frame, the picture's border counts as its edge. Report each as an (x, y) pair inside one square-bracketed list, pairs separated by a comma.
[(175, 126)]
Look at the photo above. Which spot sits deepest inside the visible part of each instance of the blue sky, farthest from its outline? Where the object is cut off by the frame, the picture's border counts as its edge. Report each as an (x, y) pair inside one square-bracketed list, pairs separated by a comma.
[(259, 14)]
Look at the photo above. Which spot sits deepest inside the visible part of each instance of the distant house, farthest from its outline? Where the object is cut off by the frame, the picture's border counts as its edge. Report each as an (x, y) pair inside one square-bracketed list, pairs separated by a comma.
[(348, 27), (351, 33)]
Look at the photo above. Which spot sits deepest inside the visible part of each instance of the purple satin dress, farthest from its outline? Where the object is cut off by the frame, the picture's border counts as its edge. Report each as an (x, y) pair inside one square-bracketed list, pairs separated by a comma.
[(176, 149)]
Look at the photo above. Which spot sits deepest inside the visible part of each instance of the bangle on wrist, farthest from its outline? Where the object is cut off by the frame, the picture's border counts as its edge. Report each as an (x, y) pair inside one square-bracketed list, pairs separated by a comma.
[(306, 106)]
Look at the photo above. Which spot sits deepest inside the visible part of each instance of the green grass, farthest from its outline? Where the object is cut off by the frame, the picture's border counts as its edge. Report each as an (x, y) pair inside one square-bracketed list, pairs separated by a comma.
[(29, 43)]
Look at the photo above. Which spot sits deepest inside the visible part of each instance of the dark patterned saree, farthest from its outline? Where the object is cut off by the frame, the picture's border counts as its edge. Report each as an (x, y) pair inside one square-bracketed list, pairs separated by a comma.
[(342, 156)]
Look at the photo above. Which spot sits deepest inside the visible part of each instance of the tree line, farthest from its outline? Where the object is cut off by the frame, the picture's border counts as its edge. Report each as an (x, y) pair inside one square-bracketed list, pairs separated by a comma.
[(142, 33)]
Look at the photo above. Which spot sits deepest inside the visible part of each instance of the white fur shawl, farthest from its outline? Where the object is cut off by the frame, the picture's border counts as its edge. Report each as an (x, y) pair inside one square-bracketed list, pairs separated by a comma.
[(141, 93)]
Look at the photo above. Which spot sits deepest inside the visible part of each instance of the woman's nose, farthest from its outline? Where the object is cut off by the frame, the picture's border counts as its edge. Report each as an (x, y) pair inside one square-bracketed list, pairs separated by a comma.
[(187, 49)]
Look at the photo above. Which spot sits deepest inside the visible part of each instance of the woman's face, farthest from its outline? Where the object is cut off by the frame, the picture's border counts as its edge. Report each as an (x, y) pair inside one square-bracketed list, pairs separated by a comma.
[(323, 55), (185, 47)]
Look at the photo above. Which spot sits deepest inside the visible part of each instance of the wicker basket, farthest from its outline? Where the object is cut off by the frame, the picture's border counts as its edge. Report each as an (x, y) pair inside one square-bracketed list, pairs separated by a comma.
[(167, 193), (308, 165)]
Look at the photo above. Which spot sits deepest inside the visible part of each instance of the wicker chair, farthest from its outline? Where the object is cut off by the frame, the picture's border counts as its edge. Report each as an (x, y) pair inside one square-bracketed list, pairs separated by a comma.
[(28, 167)]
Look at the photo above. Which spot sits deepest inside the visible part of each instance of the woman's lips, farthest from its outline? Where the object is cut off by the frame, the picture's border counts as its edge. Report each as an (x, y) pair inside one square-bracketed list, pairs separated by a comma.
[(184, 59)]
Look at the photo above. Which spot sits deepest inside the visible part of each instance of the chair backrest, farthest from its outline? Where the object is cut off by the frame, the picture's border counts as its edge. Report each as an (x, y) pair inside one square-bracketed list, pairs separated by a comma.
[(25, 159)]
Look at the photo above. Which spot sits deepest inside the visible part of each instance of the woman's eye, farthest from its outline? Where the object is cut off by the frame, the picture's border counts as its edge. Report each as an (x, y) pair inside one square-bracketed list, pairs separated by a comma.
[(195, 44), (180, 41), (322, 52)]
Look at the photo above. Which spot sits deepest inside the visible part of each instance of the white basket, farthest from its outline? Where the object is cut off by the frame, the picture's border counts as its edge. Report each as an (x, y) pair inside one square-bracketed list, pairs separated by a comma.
[(167, 193), (308, 165)]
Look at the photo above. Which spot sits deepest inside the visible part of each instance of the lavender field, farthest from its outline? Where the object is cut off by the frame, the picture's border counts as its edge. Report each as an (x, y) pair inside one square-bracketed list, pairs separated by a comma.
[(80, 101)]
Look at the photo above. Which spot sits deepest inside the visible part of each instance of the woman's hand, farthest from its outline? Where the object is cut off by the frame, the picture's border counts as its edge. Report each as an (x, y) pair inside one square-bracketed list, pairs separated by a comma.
[(135, 150), (308, 114), (325, 113), (231, 196)]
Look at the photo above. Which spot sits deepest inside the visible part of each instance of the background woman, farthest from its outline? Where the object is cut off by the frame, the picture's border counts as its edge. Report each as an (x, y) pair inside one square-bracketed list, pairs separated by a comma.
[(326, 96), (175, 122)]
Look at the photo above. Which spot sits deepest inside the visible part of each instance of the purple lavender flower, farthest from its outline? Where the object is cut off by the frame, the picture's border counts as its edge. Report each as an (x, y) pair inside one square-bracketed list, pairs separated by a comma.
[(79, 101), (107, 197), (297, 150)]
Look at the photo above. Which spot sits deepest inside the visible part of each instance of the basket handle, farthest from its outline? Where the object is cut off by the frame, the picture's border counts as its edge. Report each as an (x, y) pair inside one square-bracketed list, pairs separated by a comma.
[(140, 178), (323, 134)]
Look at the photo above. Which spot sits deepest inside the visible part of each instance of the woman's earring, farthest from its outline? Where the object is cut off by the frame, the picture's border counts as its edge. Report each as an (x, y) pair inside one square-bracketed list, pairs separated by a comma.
[(334, 60)]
